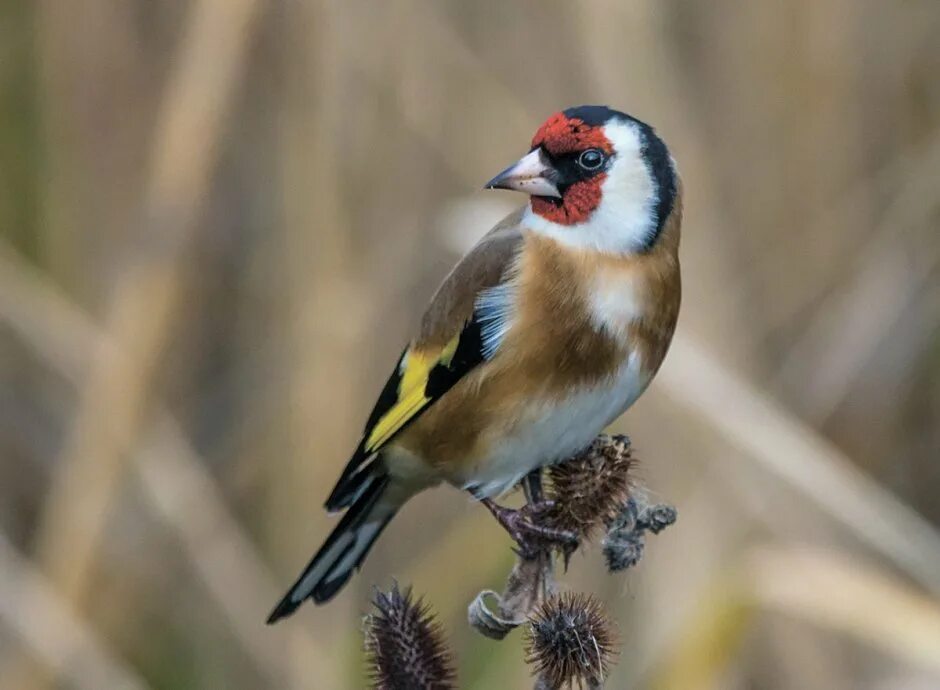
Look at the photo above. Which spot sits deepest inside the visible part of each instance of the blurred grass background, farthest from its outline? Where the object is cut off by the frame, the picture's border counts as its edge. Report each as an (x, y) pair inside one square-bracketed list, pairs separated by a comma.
[(221, 219)]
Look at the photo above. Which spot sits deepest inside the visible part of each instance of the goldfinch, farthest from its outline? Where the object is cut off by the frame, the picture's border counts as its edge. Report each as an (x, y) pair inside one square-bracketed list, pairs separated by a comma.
[(543, 334)]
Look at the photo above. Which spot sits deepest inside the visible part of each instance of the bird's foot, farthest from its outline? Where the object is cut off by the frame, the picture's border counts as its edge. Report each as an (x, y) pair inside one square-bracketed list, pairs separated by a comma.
[(532, 537)]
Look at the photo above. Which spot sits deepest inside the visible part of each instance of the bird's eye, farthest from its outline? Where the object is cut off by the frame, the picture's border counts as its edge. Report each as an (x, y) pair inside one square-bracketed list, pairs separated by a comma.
[(591, 159)]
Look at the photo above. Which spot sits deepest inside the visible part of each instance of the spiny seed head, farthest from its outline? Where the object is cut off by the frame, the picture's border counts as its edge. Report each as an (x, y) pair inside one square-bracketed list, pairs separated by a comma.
[(405, 645), (591, 488), (570, 640)]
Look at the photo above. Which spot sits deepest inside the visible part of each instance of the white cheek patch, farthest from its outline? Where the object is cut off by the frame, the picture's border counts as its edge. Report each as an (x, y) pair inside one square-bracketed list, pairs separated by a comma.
[(625, 220)]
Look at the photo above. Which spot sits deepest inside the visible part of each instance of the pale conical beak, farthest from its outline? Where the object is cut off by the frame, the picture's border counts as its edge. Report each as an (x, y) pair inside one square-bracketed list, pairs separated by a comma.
[(532, 174)]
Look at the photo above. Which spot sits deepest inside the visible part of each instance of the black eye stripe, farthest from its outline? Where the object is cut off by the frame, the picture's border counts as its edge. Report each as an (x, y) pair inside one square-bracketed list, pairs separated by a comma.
[(570, 170)]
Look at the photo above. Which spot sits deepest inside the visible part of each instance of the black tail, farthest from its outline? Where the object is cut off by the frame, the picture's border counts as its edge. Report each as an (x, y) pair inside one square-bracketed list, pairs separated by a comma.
[(360, 471), (343, 552)]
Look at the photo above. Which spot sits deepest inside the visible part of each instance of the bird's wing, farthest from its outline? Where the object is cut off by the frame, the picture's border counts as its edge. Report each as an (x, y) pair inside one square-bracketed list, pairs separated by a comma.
[(461, 328)]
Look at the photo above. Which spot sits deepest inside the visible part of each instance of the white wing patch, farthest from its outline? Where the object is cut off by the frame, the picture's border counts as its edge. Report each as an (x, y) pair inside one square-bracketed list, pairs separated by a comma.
[(494, 308)]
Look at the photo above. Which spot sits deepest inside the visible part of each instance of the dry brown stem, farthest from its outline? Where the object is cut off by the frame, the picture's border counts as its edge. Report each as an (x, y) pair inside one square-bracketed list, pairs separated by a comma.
[(592, 488)]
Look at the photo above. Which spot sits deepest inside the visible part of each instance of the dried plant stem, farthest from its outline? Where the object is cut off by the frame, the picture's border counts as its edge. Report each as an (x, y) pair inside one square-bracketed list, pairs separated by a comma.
[(32, 610), (786, 447), (172, 474), (845, 328), (113, 403), (530, 582), (569, 637)]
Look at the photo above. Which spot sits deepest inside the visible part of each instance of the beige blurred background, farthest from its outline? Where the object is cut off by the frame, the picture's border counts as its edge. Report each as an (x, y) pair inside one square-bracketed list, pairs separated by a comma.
[(220, 222)]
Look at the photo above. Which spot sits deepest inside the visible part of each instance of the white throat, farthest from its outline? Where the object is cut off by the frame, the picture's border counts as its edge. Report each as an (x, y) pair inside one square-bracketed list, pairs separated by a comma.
[(625, 220)]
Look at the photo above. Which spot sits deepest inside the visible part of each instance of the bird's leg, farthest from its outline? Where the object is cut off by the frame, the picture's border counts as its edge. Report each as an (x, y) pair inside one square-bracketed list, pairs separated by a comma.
[(523, 527), (532, 485), (535, 498)]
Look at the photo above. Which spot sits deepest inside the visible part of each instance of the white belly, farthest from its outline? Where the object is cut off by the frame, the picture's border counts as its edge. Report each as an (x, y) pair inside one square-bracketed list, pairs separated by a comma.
[(554, 431)]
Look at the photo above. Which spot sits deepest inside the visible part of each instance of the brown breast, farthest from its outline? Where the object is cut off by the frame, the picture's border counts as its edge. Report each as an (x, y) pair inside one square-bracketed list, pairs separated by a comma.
[(553, 346)]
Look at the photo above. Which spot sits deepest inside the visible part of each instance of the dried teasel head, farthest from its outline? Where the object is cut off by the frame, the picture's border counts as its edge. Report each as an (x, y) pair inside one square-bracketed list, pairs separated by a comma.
[(590, 489), (570, 641), (626, 534), (405, 645), (623, 549)]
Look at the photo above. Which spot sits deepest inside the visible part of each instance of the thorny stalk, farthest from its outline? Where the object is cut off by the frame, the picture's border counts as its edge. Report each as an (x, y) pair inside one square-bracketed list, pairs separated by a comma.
[(592, 490), (570, 641)]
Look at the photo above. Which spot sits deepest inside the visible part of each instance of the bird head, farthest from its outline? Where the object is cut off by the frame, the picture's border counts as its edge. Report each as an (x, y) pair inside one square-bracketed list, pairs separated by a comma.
[(597, 178)]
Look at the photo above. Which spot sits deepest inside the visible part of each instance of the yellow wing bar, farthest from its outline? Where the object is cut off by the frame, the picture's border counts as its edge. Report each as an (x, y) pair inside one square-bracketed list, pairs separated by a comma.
[(415, 369)]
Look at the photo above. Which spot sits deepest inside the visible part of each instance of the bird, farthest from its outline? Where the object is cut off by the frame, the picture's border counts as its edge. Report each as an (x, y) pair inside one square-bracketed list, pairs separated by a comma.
[(549, 328)]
